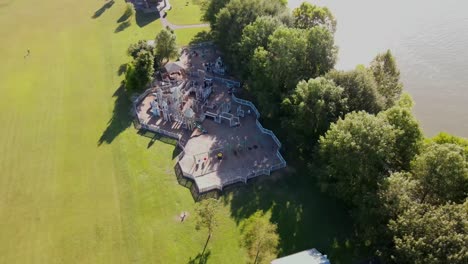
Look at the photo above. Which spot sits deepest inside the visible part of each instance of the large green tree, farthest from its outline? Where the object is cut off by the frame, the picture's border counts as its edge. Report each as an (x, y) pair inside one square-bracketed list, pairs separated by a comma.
[(387, 76), (308, 15), (291, 55), (135, 48), (409, 136), (255, 35), (427, 234), (321, 51), (207, 217), (442, 172), (260, 238), (140, 72), (166, 47), (234, 17), (357, 152), (360, 89), (443, 138), (309, 111)]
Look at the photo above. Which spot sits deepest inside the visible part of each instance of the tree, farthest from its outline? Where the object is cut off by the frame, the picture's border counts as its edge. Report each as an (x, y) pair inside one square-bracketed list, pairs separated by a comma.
[(409, 136), (310, 110), (426, 234), (398, 193), (274, 73), (308, 16), (135, 48), (357, 152), (443, 138), (387, 76), (211, 8), (442, 172), (255, 35), (166, 47), (321, 51), (260, 238), (360, 89), (207, 217), (140, 71), (234, 17)]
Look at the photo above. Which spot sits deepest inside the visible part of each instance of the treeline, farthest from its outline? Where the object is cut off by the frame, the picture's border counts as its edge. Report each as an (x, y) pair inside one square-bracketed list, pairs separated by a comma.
[(407, 194)]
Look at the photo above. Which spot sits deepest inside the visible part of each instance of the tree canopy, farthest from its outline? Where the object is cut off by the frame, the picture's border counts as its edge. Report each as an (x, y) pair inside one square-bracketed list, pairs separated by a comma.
[(135, 48), (427, 234), (310, 110), (207, 215), (308, 16), (387, 76), (140, 71), (260, 238), (357, 152), (166, 47), (442, 171), (234, 17), (409, 136), (360, 89)]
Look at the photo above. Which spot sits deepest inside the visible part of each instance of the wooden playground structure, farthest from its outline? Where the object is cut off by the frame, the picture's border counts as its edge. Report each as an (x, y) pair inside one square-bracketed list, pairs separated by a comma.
[(221, 138)]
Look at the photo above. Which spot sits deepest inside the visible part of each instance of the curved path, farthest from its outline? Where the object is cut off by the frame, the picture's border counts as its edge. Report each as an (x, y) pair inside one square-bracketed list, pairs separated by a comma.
[(166, 22)]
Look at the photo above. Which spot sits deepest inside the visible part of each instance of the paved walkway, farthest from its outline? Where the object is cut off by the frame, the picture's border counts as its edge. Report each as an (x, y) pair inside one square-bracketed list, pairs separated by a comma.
[(166, 22)]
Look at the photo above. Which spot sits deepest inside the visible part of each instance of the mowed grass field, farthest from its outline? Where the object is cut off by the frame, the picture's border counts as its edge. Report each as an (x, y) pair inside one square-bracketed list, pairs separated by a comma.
[(79, 185), (184, 12)]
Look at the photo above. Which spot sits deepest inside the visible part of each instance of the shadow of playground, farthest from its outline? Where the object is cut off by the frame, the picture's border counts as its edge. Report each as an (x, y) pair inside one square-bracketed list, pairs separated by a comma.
[(143, 19), (103, 9), (306, 218), (121, 117)]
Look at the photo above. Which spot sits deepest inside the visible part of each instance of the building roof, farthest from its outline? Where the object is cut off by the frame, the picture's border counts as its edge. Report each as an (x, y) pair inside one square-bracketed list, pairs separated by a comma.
[(174, 66), (311, 256)]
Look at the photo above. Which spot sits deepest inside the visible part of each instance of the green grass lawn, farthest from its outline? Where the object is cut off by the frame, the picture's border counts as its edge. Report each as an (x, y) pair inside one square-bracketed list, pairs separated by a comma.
[(185, 35), (79, 185), (183, 13)]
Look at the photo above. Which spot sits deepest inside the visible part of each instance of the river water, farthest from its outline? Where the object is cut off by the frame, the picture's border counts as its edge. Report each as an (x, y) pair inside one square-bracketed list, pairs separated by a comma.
[(430, 41)]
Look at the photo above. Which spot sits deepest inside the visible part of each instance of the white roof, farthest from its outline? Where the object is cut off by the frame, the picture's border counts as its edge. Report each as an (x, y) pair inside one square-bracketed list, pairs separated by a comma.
[(311, 256)]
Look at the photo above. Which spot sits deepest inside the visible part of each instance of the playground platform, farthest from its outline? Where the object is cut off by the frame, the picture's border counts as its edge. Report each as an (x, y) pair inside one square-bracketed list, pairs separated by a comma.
[(222, 141)]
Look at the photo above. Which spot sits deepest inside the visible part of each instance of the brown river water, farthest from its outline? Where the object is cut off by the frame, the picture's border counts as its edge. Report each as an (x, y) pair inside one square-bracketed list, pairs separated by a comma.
[(430, 41)]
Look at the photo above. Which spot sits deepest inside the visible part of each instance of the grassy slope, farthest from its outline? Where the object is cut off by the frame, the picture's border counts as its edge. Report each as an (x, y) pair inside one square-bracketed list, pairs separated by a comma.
[(182, 14), (79, 185), (185, 35), (65, 199)]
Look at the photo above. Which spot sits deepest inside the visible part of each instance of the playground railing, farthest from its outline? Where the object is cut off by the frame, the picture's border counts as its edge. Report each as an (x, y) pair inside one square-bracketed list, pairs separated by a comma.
[(247, 103), (227, 81), (269, 132)]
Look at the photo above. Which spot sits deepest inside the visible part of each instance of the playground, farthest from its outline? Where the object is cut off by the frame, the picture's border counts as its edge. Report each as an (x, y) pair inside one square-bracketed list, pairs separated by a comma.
[(222, 140)]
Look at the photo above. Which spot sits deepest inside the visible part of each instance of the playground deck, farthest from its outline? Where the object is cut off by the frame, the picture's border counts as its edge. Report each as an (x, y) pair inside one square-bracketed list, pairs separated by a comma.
[(217, 152)]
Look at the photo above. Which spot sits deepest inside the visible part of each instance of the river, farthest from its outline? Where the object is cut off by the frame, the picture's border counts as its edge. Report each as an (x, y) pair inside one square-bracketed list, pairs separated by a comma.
[(430, 41)]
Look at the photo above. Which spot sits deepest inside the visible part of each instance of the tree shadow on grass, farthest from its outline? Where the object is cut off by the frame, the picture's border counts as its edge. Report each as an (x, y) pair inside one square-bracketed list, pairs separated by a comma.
[(126, 15), (103, 9), (143, 19), (306, 218), (200, 258), (202, 36), (121, 117), (122, 69), (122, 26)]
